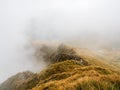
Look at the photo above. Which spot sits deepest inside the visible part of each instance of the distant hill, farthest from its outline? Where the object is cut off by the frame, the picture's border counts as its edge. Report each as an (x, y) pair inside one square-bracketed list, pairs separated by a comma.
[(17, 81)]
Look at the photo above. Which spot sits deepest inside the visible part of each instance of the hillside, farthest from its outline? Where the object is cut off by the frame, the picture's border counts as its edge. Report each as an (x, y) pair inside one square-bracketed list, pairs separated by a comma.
[(67, 75), (71, 75), (16, 82), (68, 71)]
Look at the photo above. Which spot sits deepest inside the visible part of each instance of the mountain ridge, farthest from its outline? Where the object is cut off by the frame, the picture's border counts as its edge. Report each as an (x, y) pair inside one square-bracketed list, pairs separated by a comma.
[(68, 70)]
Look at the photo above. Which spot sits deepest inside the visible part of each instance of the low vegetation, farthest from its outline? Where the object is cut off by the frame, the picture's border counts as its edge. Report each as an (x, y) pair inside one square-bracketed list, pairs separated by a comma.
[(71, 75), (68, 70)]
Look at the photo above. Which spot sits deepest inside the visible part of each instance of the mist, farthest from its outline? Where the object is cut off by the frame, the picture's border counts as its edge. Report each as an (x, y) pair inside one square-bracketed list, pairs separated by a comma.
[(80, 22)]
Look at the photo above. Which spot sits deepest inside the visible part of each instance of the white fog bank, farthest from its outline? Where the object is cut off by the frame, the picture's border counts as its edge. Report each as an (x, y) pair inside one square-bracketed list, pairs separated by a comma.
[(52, 20)]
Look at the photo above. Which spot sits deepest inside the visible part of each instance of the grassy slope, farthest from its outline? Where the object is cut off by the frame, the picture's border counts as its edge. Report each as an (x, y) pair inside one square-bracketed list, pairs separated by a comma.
[(97, 60), (70, 75)]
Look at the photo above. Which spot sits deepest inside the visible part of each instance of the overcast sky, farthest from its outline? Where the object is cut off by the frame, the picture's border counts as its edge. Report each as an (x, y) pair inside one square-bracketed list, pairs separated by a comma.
[(51, 20)]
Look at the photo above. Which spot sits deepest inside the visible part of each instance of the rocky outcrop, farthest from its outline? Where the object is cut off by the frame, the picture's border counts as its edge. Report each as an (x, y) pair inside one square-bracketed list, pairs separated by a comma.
[(63, 57)]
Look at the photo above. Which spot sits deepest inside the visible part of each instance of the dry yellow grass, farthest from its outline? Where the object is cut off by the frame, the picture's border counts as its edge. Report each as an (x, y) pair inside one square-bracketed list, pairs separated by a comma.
[(98, 74), (70, 75)]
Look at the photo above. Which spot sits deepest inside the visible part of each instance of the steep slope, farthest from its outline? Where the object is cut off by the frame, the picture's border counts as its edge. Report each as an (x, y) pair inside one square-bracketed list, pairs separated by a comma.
[(68, 75), (69, 70), (71, 75)]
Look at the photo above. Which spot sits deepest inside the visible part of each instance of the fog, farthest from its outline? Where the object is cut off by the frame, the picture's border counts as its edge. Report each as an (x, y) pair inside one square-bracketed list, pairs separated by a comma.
[(91, 21)]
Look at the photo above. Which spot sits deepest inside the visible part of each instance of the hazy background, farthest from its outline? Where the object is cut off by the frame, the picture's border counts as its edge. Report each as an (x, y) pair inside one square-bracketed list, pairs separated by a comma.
[(91, 21)]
